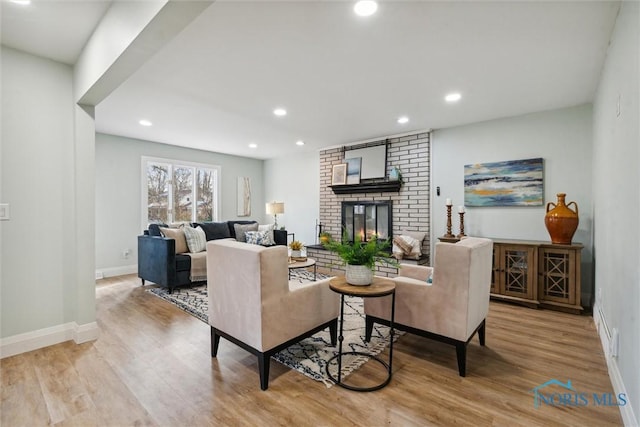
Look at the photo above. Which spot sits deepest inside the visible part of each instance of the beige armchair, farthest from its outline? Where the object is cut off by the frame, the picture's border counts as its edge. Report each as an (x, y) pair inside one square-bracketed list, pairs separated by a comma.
[(450, 309), (253, 304)]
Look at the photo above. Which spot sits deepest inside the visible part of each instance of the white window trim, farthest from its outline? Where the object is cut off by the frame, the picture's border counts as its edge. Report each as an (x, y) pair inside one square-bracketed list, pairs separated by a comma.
[(173, 163)]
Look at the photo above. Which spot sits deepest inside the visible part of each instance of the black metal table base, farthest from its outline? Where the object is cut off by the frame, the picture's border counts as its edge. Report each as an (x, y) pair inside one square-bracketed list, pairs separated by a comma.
[(338, 380), (355, 388)]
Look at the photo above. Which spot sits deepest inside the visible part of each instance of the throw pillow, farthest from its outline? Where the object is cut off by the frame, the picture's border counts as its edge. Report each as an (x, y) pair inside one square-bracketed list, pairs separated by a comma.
[(241, 229), (416, 247), (258, 238), (196, 239), (411, 248), (396, 250), (215, 230), (403, 244), (419, 236), (176, 234), (232, 226), (269, 229)]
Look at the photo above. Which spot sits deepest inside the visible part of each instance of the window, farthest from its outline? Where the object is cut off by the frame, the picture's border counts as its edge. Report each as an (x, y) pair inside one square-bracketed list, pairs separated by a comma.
[(174, 191)]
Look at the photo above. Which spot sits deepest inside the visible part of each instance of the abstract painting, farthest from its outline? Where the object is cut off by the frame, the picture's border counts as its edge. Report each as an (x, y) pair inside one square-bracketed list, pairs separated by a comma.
[(353, 170), (508, 183)]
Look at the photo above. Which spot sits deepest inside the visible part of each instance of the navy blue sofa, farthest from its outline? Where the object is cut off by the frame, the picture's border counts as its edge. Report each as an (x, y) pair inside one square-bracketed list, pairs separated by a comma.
[(159, 263)]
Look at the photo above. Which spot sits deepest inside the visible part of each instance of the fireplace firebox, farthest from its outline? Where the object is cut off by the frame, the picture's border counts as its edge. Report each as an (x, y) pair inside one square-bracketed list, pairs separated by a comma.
[(368, 219)]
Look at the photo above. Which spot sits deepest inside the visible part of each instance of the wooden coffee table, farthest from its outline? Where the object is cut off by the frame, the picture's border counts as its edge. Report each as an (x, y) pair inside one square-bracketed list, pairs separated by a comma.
[(304, 264), (380, 287)]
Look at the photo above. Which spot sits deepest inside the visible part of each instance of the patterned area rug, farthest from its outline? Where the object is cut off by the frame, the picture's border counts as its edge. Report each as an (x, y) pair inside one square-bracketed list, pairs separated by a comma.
[(309, 356), (193, 300)]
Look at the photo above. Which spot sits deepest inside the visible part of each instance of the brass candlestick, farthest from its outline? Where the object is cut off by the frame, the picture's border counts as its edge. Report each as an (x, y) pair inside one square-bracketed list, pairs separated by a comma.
[(449, 234), (461, 225)]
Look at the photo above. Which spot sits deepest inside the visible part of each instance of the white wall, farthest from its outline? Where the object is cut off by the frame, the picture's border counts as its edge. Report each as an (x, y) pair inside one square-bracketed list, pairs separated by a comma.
[(295, 180), (83, 219), (616, 188), (118, 193), (38, 273), (562, 138)]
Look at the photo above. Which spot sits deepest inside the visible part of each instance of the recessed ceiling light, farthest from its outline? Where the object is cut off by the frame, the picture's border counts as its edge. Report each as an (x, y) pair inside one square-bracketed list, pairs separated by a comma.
[(145, 122), (253, 145), (280, 112), (365, 7), (452, 97), (402, 120), (300, 143), (22, 2)]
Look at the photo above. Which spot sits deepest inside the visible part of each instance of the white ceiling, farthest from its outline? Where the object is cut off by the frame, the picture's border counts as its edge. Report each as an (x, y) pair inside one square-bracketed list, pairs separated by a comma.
[(56, 30), (344, 78)]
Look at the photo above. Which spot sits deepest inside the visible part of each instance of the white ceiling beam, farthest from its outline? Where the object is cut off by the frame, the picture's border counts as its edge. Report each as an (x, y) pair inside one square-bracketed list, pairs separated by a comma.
[(128, 35)]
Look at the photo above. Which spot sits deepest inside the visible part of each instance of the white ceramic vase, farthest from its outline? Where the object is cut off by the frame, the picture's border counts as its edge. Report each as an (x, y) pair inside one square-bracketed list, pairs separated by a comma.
[(296, 254), (358, 275)]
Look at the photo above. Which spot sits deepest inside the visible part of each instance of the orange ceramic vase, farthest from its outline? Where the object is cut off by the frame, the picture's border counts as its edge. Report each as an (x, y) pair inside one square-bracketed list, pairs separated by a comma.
[(561, 221)]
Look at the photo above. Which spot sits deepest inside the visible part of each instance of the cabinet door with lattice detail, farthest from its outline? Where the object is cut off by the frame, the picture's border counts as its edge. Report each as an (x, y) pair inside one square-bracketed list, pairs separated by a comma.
[(557, 275), (517, 271)]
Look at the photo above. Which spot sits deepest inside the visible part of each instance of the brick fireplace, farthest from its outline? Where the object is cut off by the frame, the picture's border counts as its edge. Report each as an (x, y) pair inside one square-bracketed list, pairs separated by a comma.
[(410, 206)]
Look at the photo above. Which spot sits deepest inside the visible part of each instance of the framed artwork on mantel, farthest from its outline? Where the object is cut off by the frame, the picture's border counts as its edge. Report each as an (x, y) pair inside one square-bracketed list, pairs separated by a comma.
[(339, 174), (353, 170)]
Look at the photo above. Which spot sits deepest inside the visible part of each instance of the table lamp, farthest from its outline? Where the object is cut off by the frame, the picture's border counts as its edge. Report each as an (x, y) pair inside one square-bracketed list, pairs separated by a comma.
[(275, 208)]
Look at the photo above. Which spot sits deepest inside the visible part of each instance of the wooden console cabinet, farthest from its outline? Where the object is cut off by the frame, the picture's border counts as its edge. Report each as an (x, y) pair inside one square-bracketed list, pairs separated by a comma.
[(537, 274)]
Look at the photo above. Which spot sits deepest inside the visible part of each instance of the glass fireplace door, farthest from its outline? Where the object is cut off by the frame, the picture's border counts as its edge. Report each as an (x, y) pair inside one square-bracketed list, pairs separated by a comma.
[(367, 219)]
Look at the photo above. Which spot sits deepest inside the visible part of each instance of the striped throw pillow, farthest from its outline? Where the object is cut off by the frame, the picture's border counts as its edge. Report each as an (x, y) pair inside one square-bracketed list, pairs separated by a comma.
[(196, 239)]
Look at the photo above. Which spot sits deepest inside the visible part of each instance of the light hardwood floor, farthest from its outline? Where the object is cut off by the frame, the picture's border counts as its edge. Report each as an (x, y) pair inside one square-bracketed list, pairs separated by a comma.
[(152, 366)]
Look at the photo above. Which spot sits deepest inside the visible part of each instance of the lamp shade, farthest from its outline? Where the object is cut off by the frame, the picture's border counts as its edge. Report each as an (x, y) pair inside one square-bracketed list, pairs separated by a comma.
[(274, 208)]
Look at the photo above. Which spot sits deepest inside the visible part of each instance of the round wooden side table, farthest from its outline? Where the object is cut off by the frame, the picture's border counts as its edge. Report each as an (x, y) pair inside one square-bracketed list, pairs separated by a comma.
[(380, 287), (304, 264)]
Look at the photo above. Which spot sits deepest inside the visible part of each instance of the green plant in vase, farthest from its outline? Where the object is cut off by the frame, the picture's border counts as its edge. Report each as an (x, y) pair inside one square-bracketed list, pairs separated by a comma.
[(360, 258)]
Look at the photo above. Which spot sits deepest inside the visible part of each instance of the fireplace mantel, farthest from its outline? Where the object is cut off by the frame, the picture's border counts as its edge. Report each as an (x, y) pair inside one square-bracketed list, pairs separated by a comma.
[(367, 187)]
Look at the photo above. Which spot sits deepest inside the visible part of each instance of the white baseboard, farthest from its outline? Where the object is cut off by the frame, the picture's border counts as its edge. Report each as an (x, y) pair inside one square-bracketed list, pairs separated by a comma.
[(116, 271), (628, 416), (34, 340), (86, 332)]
